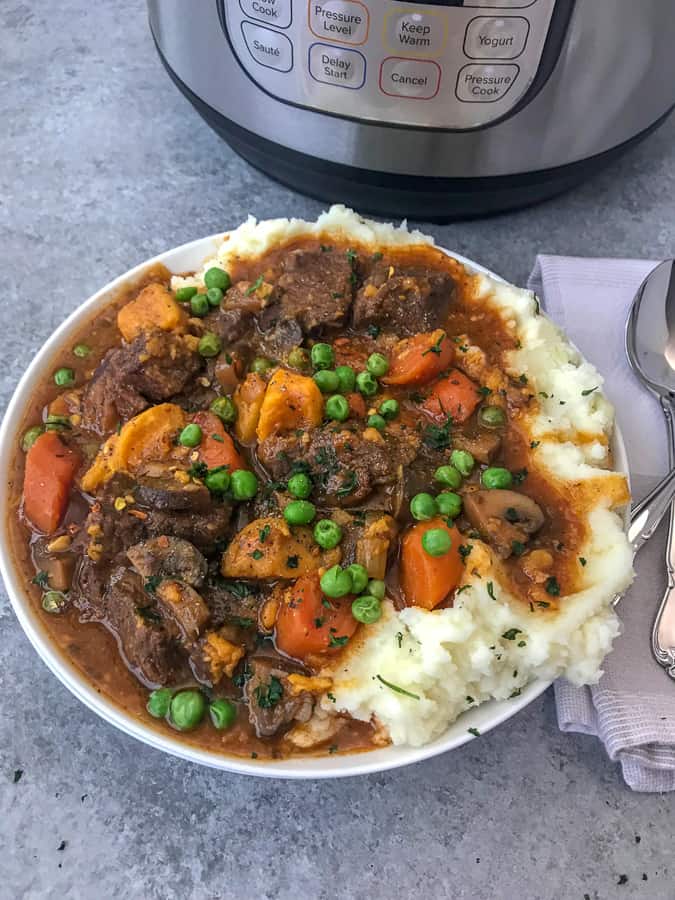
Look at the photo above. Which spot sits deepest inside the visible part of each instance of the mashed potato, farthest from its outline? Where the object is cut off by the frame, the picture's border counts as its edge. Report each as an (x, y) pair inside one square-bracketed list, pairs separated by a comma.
[(416, 671)]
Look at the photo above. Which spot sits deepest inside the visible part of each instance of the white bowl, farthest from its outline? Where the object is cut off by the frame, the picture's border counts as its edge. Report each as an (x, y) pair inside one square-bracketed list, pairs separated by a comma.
[(189, 257)]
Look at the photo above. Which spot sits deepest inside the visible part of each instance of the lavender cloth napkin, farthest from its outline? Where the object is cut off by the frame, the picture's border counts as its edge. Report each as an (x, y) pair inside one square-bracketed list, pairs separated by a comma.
[(632, 709)]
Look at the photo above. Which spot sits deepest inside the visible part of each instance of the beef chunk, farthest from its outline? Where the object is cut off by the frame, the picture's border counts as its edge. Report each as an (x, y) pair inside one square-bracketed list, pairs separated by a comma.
[(406, 302), (183, 607), (168, 557), (164, 491), (243, 303), (203, 529), (345, 466), (315, 288), (233, 602), (216, 654), (483, 445), (151, 369), (272, 703)]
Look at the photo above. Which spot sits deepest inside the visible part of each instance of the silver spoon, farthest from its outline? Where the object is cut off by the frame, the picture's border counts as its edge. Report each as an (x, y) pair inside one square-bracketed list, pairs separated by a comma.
[(650, 345)]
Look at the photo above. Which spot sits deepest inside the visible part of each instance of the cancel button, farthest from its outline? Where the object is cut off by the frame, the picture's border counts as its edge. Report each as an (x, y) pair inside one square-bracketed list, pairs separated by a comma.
[(418, 79)]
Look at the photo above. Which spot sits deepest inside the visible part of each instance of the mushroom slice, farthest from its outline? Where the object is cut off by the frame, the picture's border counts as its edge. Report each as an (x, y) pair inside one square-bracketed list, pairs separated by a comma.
[(169, 557), (503, 518), (183, 606)]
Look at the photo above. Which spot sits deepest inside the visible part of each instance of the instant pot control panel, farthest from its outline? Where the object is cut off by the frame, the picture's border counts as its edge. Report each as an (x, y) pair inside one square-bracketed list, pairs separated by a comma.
[(457, 64)]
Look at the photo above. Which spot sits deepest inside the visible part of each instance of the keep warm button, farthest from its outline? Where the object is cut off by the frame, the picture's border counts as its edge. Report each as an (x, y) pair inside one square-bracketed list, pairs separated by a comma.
[(337, 65), (418, 79)]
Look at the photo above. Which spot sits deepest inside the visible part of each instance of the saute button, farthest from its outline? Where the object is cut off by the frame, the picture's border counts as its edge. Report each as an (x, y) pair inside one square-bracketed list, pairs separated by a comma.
[(276, 12), (418, 33), (267, 47), (418, 79), (337, 65), (493, 37), (485, 84), (344, 21)]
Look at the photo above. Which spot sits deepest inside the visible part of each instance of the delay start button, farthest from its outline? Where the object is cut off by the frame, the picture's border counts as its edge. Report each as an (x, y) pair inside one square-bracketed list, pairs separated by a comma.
[(485, 83), (337, 65), (344, 21), (418, 79), (276, 12)]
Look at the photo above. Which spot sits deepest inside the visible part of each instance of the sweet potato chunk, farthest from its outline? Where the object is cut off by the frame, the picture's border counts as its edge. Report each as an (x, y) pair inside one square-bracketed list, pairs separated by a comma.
[(248, 398), (153, 308), (292, 401)]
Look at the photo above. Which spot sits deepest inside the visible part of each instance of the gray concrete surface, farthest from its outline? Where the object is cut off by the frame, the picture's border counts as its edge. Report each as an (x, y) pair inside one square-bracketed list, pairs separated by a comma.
[(102, 164)]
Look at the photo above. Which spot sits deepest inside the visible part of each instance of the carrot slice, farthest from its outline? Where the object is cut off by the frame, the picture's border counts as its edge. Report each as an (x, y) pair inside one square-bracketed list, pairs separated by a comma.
[(49, 475), (418, 359), (305, 625), (217, 447), (427, 580), (455, 396)]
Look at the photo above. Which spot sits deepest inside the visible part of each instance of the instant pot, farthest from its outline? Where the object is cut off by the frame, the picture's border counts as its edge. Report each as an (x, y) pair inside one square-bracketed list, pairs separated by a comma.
[(431, 110)]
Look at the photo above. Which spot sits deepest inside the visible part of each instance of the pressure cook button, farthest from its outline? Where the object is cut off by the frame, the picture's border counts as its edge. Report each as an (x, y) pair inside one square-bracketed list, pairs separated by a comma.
[(486, 83), (419, 33), (267, 47), (344, 21), (418, 79), (276, 12), (494, 37), (337, 65)]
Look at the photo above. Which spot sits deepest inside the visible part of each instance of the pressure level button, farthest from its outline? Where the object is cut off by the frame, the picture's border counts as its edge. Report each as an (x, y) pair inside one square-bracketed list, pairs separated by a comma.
[(344, 21)]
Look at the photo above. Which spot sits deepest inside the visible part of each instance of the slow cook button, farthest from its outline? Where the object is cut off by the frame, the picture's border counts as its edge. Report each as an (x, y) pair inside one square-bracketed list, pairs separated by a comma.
[(418, 79), (344, 21), (494, 37), (418, 33), (267, 47), (485, 84), (337, 65), (276, 12)]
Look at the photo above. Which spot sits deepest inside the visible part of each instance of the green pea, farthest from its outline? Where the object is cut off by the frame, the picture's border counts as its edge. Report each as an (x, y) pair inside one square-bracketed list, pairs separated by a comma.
[(377, 365), (261, 364), (209, 345), (389, 409), (57, 423), (53, 602), (298, 358), (491, 416), (299, 512), (436, 542), (449, 504), (218, 480), (187, 709), (376, 421), (223, 713), (199, 305), (64, 377), (244, 484), (300, 486), (225, 409), (337, 582), (31, 436), (327, 534), (423, 507), (185, 294), (448, 476), (217, 278), (190, 436), (214, 296), (81, 350), (327, 381), (347, 377), (359, 577), (366, 609), (337, 407), (366, 384), (159, 702), (463, 461), (322, 357), (377, 588), (496, 478)]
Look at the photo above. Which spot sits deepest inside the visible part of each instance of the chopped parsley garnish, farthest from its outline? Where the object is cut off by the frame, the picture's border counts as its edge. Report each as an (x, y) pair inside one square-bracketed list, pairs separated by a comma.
[(515, 693), (373, 331), (268, 695), (522, 644), (217, 437), (511, 514), (152, 583), (522, 379), (399, 639), (520, 475), (464, 587), (416, 397), (336, 295), (512, 634), (254, 755), (552, 586), (465, 550), (41, 579), (351, 255), (397, 689), (241, 679), (257, 554), (148, 614), (437, 437), (349, 484), (469, 699), (326, 603), (318, 623), (325, 248), (436, 348), (238, 589), (198, 470), (544, 395), (484, 391), (517, 548), (331, 697), (377, 256), (337, 641), (491, 590), (254, 287), (292, 562), (543, 604), (582, 560), (241, 621), (474, 731), (333, 748), (264, 533), (534, 444), (589, 391)]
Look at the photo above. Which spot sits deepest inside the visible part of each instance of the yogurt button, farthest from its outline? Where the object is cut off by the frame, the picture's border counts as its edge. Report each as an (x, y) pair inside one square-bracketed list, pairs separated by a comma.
[(337, 65), (417, 79), (267, 47), (485, 83), (275, 12), (496, 37), (344, 21)]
